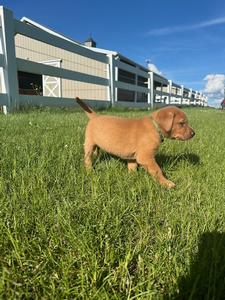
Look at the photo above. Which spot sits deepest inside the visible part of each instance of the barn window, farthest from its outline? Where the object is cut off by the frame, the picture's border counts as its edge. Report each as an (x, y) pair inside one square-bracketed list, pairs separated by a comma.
[(125, 95), (142, 97), (142, 81), (126, 77), (29, 83)]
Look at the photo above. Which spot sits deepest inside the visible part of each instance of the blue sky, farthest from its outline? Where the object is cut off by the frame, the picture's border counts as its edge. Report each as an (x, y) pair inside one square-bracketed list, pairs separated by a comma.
[(185, 40)]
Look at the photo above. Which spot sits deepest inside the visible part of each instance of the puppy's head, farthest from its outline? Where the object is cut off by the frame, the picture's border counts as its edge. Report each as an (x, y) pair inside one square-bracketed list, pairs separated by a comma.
[(174, 123)]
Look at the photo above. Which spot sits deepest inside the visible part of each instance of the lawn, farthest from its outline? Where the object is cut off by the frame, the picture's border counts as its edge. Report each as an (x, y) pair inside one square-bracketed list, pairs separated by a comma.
[(66, 233)]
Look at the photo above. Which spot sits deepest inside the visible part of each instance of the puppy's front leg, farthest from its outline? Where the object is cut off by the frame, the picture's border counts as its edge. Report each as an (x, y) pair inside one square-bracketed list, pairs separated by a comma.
[(153, 169)]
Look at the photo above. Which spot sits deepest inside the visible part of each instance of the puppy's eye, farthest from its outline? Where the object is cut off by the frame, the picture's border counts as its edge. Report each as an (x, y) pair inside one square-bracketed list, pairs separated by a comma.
[(182, 123)]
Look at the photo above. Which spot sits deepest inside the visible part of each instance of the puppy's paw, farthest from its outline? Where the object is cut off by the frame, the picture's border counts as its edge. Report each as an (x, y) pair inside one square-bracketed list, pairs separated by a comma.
[(169, 184)]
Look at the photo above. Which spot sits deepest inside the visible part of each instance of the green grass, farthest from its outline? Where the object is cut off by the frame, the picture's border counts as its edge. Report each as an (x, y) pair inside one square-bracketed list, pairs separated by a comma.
[(66, 233)]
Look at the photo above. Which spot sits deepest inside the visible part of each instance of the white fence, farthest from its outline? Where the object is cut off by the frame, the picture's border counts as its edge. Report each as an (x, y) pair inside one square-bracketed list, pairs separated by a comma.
[(158, 90)]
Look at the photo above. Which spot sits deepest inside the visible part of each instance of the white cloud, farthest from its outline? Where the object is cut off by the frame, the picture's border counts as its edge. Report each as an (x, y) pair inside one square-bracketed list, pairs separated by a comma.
[(153, 68), (170, 30), (214, 88)]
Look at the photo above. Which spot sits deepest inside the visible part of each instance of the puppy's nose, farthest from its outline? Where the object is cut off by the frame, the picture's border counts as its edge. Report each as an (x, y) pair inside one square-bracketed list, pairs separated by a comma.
[(192, 133)]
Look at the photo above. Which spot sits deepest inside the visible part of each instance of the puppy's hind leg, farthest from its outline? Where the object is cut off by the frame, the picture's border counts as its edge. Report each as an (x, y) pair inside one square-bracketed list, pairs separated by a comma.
[(95, 151), (132, 164), (90, 149)]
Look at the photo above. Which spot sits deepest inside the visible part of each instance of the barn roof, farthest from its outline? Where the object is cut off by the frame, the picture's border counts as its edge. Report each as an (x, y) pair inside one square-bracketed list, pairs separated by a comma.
[(99, 50), (53, 32), (95, 49)]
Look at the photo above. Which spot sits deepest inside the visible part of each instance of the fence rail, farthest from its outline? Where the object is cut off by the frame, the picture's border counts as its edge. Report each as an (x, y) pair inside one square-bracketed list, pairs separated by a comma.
[(157, 89)]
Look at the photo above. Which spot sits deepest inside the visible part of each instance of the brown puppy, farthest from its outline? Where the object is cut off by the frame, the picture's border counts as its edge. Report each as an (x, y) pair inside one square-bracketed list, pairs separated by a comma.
[(136, 140)]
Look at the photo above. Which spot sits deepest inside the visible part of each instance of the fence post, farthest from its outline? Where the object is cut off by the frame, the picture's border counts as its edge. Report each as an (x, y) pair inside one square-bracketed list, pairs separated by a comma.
[(182, 94), (190, 97), (112, 79), (200, 98), (10, 79), (151, 87), (170, 90)]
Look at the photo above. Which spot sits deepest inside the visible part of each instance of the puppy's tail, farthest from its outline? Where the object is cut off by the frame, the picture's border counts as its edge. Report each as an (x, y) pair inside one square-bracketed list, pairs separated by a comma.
[(89, 112)]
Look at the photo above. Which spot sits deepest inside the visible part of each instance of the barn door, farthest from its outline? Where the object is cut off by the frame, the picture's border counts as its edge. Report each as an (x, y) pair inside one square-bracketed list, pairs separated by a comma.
[(52, 85)]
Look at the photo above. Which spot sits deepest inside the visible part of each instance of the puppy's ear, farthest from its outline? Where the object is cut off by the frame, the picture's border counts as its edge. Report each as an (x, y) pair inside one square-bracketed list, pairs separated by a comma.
[(165, 120)]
